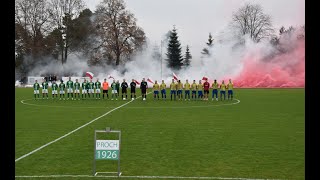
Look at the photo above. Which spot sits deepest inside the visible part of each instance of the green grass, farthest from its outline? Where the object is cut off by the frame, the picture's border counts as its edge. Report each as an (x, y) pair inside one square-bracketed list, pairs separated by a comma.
[(260, 137)]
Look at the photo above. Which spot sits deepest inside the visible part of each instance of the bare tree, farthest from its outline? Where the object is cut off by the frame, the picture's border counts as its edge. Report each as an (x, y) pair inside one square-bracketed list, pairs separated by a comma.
[(250, 20), (32, 17), (120, 36), (62, 13)]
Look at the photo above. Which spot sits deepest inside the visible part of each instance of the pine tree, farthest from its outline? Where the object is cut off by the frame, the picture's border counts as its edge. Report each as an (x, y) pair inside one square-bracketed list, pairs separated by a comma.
[(205, 51), (174, 56), (187, 57)]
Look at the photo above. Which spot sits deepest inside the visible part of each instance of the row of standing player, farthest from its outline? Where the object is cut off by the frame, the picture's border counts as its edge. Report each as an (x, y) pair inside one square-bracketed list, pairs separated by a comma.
[(93, 88), (199, 91), (89, 89)]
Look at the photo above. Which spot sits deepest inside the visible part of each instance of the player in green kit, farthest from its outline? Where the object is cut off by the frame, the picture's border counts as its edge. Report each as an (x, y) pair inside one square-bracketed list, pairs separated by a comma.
[(76, 87), (156, 89), (230, 89), (186, 90), (54, 87), (44, 89), (84, 86), (118, 87), (91, 88), (215, 86), (36, 87), (62, 86), (163, 90), (97, 86), (194, 90), (223, 90), (114, 92), (70, 88)]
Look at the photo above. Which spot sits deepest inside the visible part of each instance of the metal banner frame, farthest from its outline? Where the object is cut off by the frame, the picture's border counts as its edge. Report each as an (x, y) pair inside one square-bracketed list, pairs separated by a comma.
[(107, 130)]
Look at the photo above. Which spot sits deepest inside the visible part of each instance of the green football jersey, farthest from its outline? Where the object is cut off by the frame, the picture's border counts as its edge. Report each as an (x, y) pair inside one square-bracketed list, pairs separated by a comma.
[(44, 85), (62, 86), (54, 86), (84, 85), (114, 86), (36, 86), (91, 85), (97, 85), (76, 85), (69, 84)]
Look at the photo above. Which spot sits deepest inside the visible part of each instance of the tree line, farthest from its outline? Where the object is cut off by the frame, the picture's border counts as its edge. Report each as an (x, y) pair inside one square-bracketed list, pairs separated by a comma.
[(110, 35), (57, 28)]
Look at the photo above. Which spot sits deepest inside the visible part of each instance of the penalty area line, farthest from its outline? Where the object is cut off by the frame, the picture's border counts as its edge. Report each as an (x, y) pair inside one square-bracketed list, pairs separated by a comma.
[(41, 147), (140, 177)]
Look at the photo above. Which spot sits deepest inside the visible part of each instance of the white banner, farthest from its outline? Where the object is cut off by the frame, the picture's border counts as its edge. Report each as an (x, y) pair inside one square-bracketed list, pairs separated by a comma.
[(107, 145), (32, 79)]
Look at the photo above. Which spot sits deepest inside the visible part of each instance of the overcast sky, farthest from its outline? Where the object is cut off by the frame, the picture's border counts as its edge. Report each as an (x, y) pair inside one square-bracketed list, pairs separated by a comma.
[(194, 19)]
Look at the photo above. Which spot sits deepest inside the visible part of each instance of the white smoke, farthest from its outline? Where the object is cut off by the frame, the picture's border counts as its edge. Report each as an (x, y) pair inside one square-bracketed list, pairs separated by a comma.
[(223, 61), (226, 58)]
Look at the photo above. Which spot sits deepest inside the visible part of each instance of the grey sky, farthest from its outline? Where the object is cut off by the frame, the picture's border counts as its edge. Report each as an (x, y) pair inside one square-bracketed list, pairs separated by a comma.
[(194, 19)]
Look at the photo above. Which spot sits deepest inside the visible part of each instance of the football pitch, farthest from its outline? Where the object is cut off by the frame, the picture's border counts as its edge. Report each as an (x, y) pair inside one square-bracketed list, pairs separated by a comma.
[(260, 134)]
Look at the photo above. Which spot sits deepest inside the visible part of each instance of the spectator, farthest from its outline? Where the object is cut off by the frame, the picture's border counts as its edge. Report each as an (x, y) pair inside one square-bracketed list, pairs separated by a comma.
[(46, 78), (50, 78)]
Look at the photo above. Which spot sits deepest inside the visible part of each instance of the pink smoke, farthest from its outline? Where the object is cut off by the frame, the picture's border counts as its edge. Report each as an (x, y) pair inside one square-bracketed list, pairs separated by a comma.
[(284, 70)]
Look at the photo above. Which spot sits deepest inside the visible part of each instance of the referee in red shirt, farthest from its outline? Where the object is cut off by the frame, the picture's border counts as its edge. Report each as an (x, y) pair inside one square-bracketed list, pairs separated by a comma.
[(206, 86)]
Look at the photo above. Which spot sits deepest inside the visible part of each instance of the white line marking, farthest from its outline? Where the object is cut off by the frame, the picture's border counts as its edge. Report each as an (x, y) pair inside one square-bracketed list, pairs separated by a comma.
[(23, 102), (182, 107), (136, 107), (140, 177), (26, 155)]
